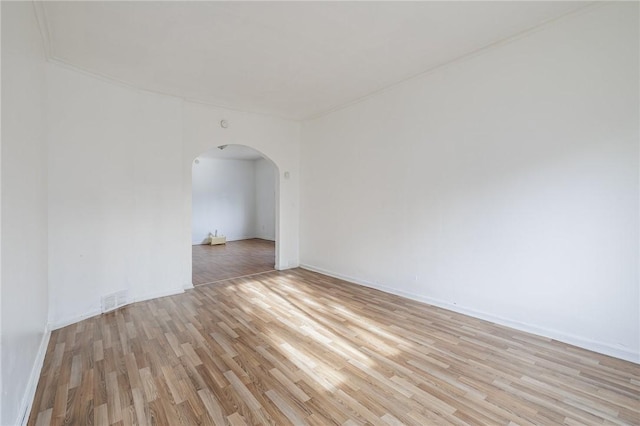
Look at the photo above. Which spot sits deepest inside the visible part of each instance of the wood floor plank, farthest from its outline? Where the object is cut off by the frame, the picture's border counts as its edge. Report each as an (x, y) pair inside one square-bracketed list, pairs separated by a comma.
[(44, 417), (101, 415), (233, 259), (296, 347)]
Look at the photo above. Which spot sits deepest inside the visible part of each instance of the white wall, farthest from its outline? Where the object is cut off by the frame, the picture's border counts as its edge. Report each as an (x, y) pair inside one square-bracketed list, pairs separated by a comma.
[(504, 185), (265, 181), (120, 164), (24, 210), (115, 191), (224, 198), (236, 197), (276, 139)]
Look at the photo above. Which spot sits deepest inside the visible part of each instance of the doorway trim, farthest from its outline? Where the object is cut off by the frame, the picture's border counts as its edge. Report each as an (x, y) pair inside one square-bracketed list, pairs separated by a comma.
[(278, 182)]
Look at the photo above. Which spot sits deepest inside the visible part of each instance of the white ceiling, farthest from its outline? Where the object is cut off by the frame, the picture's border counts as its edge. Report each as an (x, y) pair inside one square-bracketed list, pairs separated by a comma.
[(292, 59)]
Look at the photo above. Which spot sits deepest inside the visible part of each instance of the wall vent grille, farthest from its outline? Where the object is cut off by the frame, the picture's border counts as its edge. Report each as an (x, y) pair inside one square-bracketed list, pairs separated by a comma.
[(114, 300)]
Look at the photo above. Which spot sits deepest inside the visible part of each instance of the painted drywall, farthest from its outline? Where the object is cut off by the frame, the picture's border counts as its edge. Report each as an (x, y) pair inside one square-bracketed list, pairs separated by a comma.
[(286, 58), (234, 197), (115, 193), (276, 139), (504, 185), (119, 186), (224, 199), (265, 181), (24, 210)]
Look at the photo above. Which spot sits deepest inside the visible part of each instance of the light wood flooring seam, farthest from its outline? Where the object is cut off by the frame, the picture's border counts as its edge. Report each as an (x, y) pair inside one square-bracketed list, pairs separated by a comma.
[(242, 276), (297, 347), (233, 259)]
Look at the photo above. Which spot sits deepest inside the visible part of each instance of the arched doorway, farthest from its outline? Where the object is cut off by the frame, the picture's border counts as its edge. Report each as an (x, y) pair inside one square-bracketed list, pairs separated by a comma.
[(234, 214)]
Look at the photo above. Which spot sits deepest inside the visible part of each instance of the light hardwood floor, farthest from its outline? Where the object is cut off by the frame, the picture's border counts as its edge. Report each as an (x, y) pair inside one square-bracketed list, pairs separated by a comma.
[(231, 260), (295, 347)]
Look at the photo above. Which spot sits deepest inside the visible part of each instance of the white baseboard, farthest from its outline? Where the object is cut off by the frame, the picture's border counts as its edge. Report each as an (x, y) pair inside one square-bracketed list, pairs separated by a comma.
[(288, 265), (600, 347), (34, 377), (72, 320), (205, 241), (157, 295)]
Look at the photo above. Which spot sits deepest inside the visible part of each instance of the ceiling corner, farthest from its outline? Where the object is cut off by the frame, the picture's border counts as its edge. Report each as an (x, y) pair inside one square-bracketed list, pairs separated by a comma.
[(41, 18)]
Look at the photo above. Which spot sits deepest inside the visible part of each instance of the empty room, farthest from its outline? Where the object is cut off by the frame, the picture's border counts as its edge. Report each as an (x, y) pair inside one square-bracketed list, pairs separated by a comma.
[(233, 214), (320, 213)]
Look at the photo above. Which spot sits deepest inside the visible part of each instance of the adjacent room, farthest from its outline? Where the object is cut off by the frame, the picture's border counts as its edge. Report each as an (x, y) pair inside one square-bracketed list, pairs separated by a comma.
[(322, 213), (233, 214)]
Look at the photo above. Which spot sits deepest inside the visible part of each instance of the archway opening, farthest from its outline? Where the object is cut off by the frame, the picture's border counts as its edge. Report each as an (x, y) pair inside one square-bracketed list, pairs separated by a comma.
[(234, 218)]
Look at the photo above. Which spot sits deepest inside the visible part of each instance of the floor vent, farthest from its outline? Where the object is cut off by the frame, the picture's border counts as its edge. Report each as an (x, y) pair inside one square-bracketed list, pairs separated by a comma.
[(114, 301)]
